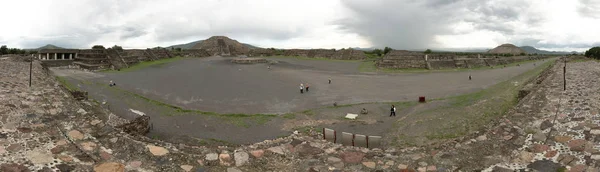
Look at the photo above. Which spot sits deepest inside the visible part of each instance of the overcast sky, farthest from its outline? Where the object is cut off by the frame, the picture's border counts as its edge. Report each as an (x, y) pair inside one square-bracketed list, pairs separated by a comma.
[(400, 24)]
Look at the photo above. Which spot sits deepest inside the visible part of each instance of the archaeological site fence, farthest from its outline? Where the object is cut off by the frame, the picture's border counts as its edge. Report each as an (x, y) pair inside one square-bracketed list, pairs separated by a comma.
[(350, 139)]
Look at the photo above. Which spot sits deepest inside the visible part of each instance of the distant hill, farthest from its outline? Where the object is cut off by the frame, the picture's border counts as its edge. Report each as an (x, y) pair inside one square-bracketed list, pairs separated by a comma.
[(49, 46), (192, 44), (533, 50)]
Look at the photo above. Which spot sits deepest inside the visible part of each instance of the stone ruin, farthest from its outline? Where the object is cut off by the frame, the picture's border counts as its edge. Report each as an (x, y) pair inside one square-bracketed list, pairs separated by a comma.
[(401, 59), (261, 52), (223, 46), (249, 60), (346, 54)]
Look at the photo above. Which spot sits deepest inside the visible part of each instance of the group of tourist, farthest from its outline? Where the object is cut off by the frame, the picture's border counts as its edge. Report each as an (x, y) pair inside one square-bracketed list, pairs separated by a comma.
[(305, 87), (302, 87)]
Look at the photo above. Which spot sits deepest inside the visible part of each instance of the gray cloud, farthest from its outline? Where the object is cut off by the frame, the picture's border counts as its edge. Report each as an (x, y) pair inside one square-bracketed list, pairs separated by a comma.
[(412, 24), (589, 8)]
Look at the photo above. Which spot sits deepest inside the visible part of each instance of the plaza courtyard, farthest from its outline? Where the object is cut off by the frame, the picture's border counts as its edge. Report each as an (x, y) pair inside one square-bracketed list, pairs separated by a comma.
[(213, 99)]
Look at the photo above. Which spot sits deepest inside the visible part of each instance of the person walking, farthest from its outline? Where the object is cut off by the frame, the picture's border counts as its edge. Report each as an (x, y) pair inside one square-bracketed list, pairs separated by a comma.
[(307, 87), (393, 111), (329, 80), (301, 89), (469, 77)]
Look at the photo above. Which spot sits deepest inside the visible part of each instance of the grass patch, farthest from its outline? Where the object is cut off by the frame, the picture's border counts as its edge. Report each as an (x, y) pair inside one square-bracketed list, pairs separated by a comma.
[(289, 116), (470, 112), (463, 114), (63, 81), (145, 64), (308, 112)]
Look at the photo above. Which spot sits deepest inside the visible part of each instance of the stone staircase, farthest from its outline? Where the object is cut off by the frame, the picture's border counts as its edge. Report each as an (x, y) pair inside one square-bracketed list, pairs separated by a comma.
[(115, 59), (92, 59)]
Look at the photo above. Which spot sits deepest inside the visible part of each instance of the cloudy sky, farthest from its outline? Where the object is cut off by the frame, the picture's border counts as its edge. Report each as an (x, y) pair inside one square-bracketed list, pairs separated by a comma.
[(400, 24)]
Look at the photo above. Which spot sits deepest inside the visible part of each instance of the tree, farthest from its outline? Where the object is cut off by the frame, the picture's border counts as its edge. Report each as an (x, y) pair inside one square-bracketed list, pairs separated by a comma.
[(116, 47), (593, 53), (3, 49), (98, 47), (428, 51), (377, 51), (386, 50), (523, 54)]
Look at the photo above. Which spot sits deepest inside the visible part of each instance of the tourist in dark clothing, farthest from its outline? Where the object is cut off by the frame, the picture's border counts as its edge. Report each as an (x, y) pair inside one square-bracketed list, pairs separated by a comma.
[(329, 80), (469, 77), (393, 111)]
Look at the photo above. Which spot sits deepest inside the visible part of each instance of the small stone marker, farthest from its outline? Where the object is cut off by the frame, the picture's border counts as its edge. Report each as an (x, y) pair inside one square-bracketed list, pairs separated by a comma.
[(351, 116), (329, 134)]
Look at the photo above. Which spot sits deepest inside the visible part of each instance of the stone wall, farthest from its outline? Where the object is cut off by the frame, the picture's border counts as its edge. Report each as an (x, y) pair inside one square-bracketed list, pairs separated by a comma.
[(191, 53), (347, 54), (322, 53), (57, 63), (400, 59), (261, 52)]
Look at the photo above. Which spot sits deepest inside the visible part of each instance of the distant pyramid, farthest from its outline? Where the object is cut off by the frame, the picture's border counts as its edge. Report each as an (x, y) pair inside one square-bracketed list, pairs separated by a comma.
[(222, 45), (507, 49)]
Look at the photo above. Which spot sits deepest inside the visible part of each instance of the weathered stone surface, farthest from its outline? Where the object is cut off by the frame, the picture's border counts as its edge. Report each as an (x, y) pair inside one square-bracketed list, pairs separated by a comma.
[(537, 148), (577, 145), (12, 167), (257, 153), (109, 167), (241, 158), (402, 166), (431, 168), (562, 139), (39, 157), (307, 150), (525, 157), (186, 167), (545, 125), (212, 157), (352, 157), (482, 138), (75, 135), (88, 146), (277, 150), (539, 136), (333, 160), (550, 154), (233, 169), (14, 147), (225, 159), (135, 164), (65, 158), (369, 164), (156, 150)]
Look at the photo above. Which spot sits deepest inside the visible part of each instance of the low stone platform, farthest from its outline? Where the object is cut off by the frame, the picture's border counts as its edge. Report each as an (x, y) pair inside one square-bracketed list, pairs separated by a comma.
[(249, 60)]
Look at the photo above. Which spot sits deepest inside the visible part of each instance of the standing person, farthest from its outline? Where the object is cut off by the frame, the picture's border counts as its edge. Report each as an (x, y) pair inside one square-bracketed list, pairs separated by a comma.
[(469, 77), (393, 111), (329, 80), (301, 89), (307, 87)]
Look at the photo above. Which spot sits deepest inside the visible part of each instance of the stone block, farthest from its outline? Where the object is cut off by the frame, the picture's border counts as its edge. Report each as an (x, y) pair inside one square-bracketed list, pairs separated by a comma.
[(347, 139), (374, 141), (329, 134), (360, 140)]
